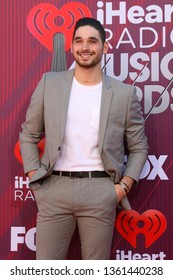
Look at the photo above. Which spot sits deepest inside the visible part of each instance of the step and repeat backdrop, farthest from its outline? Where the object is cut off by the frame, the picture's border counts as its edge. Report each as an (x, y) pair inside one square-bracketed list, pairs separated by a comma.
[(140, 36)]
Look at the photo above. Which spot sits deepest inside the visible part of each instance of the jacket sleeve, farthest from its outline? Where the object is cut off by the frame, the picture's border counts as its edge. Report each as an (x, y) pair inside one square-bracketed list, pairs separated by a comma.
[(135, 138), (32, 129)]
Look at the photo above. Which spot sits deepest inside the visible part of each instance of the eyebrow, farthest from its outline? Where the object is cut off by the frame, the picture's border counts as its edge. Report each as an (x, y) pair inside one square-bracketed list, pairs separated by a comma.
[(91, 38)]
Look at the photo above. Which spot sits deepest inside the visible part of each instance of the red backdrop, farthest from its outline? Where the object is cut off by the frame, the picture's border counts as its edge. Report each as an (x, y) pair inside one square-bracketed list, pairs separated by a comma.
[(140, 34)]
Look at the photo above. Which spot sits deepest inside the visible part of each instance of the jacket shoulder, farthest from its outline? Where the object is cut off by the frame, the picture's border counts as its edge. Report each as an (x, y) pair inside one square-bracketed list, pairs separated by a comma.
[(54, 75), (118, 84)]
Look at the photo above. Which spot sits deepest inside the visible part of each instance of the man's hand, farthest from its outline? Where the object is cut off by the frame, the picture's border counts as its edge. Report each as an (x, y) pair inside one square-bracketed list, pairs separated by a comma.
[(120, 192), (31, 173)]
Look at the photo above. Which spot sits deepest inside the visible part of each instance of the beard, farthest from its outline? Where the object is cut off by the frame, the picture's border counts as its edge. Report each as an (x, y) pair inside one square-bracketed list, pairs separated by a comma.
[(88, 63)]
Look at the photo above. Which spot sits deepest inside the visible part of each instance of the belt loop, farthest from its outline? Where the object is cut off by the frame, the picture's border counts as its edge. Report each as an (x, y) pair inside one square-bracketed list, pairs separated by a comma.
[(70, 175), (60, 174), (90, 175)]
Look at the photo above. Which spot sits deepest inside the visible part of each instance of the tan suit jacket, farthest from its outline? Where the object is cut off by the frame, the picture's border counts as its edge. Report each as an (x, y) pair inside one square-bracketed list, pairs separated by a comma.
[(120, 119)]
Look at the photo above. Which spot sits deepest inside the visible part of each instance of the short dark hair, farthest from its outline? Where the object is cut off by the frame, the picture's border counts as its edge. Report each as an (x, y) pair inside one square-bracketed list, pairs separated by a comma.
[(93, 23)]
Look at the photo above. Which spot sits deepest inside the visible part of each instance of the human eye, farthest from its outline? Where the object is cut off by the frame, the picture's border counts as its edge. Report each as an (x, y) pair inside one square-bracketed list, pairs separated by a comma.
[(78, 40), (93, 41)]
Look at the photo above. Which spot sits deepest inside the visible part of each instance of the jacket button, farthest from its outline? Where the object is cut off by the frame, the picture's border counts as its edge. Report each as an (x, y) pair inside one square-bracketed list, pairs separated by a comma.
[(59, 148)]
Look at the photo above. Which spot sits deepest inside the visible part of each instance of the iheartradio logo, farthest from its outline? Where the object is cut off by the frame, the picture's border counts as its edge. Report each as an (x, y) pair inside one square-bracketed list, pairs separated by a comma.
[(151, 224), (45, 20)]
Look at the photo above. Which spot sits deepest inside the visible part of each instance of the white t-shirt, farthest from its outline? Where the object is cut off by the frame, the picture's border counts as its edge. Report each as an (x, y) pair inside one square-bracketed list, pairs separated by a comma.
[(80, 146)]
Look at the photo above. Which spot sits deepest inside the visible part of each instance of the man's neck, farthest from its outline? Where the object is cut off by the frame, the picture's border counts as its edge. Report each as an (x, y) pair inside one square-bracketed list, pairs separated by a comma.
[(88, 76)]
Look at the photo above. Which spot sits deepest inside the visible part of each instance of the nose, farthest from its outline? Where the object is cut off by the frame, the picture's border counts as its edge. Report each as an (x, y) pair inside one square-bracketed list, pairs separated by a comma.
[(85, 45)]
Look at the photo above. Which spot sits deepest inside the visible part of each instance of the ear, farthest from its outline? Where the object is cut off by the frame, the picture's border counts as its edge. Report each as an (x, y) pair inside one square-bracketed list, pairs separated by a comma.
[(105, 47)]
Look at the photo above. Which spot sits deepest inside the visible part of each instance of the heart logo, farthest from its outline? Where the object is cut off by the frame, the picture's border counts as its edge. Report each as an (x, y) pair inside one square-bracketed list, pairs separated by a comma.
[(151, 224), (17, 153), (45, 20)]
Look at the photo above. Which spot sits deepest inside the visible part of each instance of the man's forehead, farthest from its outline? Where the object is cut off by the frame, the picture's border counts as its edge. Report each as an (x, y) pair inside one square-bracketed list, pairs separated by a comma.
[(87, 31)]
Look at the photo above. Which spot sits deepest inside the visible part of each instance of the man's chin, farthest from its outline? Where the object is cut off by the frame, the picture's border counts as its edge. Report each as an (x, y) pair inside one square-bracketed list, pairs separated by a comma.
[(86, 64)]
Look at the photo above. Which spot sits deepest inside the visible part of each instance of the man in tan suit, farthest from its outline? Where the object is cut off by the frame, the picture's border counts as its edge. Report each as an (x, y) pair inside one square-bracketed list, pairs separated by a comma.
[(88, 118)]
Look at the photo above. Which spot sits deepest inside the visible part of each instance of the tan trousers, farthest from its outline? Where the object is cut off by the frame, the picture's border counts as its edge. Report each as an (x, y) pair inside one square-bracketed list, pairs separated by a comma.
[(62, 202)]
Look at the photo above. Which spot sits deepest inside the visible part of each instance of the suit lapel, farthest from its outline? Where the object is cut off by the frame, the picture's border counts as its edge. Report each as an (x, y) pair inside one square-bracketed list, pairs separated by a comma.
[(65, 95), (104, 110)]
